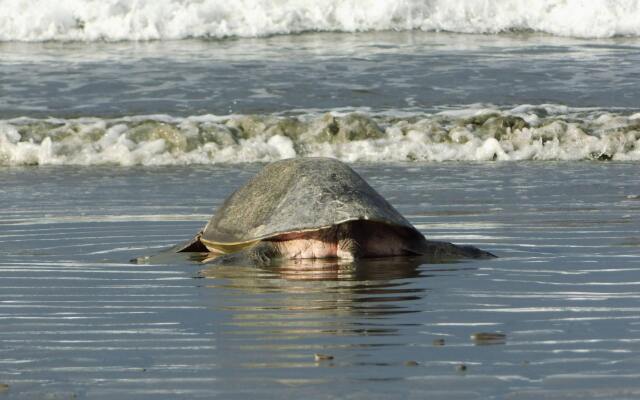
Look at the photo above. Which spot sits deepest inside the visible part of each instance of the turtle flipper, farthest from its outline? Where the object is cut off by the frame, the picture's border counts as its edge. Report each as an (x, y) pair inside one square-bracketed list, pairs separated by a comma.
[(474, 252), (445, 250), (260, 254)]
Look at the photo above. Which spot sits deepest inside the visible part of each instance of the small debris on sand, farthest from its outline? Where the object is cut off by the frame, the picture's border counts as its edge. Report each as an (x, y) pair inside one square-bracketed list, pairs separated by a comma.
[(489, 338), (140, 260), (322, 357)]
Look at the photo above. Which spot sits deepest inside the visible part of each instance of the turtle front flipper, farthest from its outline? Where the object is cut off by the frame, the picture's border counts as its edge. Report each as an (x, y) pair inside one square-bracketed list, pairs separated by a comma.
[(260, 254), (444, 250)]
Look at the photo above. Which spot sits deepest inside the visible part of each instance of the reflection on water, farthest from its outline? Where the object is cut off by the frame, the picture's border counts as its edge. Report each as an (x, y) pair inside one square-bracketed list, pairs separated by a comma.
[(277, 298), (280, 316), (330, 269)]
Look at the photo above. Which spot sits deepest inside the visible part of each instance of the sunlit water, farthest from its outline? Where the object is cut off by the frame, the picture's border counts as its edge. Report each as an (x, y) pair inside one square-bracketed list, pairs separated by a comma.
[(78, 319)]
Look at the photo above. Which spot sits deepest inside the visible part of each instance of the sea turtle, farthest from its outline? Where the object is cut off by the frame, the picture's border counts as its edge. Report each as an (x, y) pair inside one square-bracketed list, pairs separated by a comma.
[(313, 208)]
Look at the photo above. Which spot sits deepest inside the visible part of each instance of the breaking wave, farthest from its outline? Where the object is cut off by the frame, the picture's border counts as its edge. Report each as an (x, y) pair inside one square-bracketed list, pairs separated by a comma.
[(489, 134), (113, 20)]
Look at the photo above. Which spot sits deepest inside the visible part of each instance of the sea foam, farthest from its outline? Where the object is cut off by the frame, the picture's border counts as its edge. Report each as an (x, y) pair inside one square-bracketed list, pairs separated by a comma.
[(524, 133), (114, 20)]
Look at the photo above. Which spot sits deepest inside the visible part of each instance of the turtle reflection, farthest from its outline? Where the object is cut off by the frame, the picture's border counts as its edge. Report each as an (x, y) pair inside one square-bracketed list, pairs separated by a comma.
[(321, 297)]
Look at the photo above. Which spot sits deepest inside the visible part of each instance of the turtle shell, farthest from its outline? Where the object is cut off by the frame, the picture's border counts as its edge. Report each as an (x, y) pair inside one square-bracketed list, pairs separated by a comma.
[(296, 195)]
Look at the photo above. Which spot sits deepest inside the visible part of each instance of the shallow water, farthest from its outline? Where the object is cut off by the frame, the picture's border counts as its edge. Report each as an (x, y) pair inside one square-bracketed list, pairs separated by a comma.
[(318, 71), (79, 319)]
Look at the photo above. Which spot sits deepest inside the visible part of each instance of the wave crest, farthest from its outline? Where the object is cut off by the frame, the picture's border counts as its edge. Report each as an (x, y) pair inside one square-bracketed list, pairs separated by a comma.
[(524, 133), (114, 20)]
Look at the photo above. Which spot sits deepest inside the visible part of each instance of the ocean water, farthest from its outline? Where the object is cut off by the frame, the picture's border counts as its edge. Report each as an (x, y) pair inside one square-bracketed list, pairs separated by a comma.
[(79, 319), (377, 96), (510, 125)]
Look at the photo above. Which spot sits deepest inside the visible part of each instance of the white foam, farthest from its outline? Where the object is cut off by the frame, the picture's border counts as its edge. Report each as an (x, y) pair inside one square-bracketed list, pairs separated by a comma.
[(523, 133), (112, 20)]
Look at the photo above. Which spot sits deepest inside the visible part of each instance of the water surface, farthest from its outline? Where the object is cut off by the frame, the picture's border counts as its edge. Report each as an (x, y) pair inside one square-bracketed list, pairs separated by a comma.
[(319, 71), (79, 319)]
